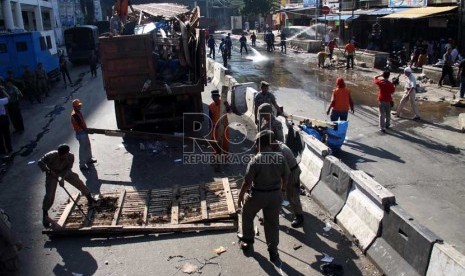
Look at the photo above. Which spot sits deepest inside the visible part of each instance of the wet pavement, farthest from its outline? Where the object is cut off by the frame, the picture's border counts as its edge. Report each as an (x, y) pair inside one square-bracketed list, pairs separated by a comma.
[(420, 162)]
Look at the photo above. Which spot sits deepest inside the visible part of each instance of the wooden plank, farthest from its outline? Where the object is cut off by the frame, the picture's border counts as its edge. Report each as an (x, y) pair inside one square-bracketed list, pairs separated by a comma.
[(175, 205), (157, 228), (203, 203), (68, 210), (118, 209), (147, 206), (229, 198)]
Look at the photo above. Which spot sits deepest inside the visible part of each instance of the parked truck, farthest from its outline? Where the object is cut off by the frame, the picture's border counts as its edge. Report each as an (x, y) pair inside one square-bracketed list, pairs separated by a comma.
[(18, 50), (156, 76)]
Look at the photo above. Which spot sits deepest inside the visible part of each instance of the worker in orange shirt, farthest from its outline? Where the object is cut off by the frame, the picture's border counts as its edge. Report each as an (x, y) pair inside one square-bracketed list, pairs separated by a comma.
[(341, 101), (215, 113), (121, 10), (349, 52), (82, 135)]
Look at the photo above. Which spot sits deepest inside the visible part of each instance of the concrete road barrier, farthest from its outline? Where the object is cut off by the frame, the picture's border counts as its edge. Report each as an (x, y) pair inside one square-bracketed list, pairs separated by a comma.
[(462, 122), (238, 97), (210, 67), (404, 247), (219, 72), (249, 99), (332, 189), (364, 209), (446, 261), (311, 166)]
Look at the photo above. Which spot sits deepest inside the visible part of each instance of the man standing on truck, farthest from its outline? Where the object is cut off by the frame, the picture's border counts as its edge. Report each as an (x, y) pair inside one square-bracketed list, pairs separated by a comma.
[(42, 80), (82, 135), (57, 166), (29, 80)]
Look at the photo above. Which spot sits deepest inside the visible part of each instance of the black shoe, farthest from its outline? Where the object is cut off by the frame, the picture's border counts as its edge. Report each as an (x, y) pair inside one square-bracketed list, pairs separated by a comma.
[(298, 221), (92, 161), (246, 247), (46, 221), (274, 258)]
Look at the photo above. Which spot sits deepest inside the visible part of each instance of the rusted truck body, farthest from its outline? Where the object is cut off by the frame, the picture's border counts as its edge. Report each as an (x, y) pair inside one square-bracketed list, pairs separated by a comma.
[(153, 79)]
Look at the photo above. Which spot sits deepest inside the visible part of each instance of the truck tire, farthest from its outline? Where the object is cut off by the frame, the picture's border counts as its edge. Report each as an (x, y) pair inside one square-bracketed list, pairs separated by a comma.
[(120, 117)]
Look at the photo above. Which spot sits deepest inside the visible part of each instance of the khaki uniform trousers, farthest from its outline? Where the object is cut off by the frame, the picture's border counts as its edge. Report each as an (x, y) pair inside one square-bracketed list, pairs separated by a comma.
[(293, 191), (270, 203), (51, 187)]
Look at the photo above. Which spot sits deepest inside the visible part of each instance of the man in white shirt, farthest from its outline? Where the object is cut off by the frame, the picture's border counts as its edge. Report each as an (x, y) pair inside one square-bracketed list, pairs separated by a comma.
[(410, 89), (5, 138)]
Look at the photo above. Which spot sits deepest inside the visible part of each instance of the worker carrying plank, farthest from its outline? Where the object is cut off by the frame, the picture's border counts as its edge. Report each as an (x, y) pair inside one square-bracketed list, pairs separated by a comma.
[(58, 164)]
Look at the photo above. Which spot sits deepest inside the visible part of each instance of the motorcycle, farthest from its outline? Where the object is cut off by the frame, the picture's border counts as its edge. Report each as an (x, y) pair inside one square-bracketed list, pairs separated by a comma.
[(396, 60)]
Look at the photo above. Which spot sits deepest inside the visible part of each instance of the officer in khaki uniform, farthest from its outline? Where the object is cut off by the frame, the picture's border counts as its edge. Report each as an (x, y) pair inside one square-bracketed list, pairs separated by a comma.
[(58, 163), (42, 80), (293, 182), (264, 97), (266, 177), (268, 121)]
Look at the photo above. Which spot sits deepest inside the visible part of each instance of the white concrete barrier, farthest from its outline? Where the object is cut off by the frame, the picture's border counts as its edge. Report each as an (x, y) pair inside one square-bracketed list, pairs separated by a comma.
[(310, 165), (237, 97), (210, 67), (316, 145), (363, 212), (219, 73), (445, 261), (249, 99)]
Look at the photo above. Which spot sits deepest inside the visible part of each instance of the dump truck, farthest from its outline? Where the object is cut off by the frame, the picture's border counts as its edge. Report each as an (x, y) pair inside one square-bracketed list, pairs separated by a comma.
[(156, 75)]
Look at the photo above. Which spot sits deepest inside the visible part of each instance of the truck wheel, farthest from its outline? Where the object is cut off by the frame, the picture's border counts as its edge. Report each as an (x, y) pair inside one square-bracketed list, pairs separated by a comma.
[(120, 116)]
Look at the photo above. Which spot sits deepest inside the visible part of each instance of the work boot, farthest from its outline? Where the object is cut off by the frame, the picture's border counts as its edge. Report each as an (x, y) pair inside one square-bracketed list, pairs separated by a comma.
[(298, 221), (92, 161), (90, 200), (246, 247)]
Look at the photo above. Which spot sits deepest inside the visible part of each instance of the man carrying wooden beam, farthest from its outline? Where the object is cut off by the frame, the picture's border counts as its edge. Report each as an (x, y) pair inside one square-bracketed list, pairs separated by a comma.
[(58, 164)]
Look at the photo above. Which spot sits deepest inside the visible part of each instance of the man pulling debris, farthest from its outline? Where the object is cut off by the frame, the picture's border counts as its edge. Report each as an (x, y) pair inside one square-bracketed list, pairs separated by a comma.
[(266, 177), (58, 164)]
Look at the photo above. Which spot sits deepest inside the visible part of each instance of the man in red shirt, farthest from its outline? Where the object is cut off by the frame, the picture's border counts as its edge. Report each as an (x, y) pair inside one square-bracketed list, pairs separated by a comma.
[(331, 45), (386, 89), (349, 51)]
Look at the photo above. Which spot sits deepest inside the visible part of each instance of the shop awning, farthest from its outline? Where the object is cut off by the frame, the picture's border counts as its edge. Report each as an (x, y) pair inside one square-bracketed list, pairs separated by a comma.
[(386, 11), (415, 13), (342, 17)]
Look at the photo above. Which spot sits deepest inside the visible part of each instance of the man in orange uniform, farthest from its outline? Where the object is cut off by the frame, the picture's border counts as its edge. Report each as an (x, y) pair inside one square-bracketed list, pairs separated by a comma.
[(82, 135), (341, 101), (214, 113), (349, 51)]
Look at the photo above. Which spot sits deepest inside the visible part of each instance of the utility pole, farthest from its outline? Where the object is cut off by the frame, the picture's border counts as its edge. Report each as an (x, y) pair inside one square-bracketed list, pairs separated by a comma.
[(461, 30)]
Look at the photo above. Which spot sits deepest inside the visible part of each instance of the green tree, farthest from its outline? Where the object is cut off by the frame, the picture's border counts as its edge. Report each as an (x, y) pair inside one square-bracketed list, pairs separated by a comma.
[(259, 7)]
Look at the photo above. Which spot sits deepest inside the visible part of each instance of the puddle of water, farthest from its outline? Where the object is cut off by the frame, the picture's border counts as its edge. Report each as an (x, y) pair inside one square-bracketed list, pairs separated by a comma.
[(256, 56)]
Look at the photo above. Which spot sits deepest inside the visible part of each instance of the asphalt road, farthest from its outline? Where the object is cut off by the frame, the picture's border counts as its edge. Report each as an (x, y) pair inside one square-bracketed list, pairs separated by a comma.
[(422, 163), (122, 164)]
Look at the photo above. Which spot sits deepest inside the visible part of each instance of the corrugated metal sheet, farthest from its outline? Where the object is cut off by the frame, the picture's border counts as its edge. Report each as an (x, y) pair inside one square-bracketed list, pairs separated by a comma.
[(166, 10)]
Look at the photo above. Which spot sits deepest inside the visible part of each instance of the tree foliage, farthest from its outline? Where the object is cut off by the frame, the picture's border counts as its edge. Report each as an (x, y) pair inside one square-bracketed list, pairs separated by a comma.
[(259, 7)]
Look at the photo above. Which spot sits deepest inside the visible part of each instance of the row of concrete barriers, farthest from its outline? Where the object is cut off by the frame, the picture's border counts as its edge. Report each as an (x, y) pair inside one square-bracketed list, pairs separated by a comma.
[(361, 206)]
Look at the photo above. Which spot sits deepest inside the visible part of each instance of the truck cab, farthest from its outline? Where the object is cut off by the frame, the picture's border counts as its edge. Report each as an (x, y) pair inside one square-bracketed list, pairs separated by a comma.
[(80, 41), (18, 50)]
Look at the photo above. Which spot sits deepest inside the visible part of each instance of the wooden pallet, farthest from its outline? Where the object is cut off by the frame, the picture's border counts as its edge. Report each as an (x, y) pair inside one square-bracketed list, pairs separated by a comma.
[(209, 206)]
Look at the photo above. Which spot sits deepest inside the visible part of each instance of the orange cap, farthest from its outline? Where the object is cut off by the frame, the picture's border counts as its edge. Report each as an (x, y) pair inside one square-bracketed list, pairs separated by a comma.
[(76, 103)]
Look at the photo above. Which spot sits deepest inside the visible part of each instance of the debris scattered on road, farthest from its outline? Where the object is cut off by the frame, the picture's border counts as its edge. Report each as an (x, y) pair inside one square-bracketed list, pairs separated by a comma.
[(257, 232), (327, 227), (297, 246), (332, 269), (31, 162), (220, 250), (176, 256), (189, 268), (327, 258)]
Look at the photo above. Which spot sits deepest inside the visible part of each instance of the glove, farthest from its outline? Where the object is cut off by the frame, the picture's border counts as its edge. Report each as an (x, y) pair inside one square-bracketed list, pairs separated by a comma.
[(61, 182)]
